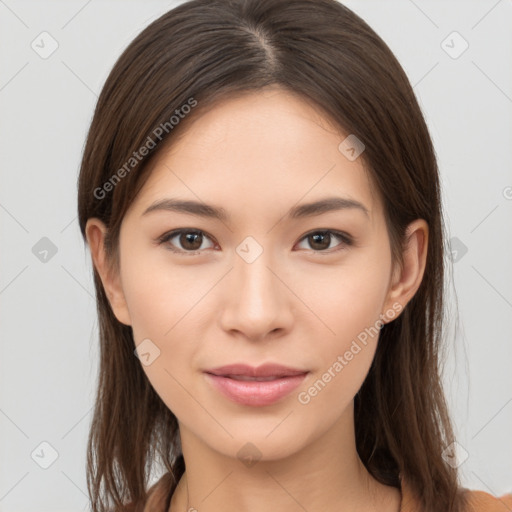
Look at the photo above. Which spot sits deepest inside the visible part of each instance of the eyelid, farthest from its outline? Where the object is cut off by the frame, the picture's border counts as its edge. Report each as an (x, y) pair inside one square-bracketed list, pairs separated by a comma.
[(346, 239)]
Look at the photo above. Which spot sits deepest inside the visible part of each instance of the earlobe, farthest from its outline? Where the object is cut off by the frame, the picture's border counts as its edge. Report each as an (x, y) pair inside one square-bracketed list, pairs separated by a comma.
[(95, 232), (407, 280)]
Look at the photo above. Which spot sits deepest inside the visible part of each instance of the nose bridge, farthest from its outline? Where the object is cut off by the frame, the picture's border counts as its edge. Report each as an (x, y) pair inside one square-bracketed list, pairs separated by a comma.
[(257, 282), (257, 302)]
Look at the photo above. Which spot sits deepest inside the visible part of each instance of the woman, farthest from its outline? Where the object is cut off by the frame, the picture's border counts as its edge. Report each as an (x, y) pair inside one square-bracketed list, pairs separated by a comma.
[(261, 198)]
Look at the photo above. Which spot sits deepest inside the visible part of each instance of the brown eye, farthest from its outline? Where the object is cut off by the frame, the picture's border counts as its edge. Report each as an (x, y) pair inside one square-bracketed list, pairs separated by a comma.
[(191, 241), (320, 241), (186, 241)]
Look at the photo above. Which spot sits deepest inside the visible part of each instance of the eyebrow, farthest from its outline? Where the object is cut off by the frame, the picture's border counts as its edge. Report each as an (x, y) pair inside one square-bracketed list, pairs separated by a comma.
[(319, 207)]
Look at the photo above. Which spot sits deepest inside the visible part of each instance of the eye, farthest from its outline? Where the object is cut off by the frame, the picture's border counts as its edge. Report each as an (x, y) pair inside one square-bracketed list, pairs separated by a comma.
[(320, 240), (191, 240)]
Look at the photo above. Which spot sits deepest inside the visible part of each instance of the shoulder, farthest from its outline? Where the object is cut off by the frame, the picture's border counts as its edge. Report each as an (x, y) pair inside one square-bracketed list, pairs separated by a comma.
[(130, 507), (481, 501), (475, 500)]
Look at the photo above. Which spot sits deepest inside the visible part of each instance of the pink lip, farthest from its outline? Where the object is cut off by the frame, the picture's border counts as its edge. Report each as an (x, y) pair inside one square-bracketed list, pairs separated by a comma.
[(252, 392), (265, 370)]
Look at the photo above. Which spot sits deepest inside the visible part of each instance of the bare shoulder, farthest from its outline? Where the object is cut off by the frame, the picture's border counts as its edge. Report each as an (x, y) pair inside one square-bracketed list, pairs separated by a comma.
[(481, 501), (130, 507)]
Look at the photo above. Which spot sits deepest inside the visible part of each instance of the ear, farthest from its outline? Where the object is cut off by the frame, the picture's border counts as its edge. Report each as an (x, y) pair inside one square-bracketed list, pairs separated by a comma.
[(406, 281), (95, 232)]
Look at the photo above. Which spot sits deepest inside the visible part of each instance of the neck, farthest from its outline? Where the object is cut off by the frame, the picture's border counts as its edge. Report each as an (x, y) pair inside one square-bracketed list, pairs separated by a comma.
[(325, 475)]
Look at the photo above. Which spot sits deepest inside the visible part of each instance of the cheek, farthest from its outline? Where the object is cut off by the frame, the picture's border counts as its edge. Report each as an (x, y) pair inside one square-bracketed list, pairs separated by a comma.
[(344, 356), (348, 298), (349, 302), (164, 303), (160, 296)]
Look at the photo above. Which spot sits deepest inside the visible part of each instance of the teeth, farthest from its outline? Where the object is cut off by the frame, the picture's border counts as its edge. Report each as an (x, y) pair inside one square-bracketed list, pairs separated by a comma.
[(245, 377)]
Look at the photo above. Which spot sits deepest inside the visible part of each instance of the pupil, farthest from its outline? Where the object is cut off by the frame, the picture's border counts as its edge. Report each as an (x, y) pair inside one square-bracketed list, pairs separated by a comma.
[(319, 236), (190, 238)]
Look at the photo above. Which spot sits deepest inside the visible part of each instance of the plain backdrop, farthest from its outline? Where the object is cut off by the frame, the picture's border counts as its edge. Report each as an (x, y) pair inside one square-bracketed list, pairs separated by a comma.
[(458, 56)]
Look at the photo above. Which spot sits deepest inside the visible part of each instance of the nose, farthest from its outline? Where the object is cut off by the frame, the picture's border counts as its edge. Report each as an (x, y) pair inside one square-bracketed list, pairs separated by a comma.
[(256, 300)]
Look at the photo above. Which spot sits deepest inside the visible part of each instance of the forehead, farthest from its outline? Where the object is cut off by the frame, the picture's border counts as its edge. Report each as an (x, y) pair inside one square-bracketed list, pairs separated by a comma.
[(258, 150)]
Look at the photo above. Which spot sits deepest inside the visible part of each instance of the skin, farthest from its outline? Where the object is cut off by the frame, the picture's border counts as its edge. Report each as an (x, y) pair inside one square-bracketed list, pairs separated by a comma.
[(257, 155)]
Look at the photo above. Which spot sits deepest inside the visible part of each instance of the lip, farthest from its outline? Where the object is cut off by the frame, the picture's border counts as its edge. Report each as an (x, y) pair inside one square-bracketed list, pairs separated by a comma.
[(265, 370), (279, 382)]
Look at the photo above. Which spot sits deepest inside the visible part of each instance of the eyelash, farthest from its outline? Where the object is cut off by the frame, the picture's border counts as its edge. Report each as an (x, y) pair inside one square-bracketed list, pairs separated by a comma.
[(346, 240)]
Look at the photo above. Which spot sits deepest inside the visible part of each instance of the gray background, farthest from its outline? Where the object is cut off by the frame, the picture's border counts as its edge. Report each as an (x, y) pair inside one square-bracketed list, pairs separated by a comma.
[(48, 323)]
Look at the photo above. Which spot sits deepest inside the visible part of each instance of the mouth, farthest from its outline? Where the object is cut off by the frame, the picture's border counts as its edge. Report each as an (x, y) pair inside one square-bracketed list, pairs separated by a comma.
[(250, 379), (268, 370), (251, 386)]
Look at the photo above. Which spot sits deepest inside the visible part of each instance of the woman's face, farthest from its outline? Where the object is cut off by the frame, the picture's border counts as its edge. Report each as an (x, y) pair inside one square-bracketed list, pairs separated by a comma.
[(260, 284)]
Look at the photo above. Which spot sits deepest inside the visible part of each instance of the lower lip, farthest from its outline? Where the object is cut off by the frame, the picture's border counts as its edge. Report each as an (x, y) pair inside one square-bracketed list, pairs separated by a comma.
[(255, 393)]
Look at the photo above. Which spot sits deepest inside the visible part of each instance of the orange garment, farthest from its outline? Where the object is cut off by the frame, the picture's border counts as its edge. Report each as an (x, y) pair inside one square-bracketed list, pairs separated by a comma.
[(479, 501)]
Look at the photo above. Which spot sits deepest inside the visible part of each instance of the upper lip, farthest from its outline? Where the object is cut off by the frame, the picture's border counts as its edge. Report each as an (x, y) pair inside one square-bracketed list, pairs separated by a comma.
[(265, 370)]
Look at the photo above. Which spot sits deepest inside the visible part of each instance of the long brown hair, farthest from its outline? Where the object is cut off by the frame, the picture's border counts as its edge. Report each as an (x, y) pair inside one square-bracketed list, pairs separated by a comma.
[(197, 54)]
